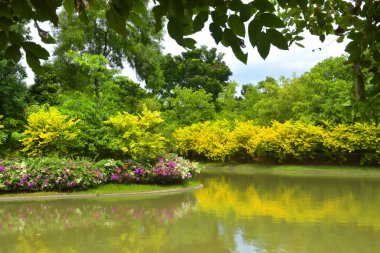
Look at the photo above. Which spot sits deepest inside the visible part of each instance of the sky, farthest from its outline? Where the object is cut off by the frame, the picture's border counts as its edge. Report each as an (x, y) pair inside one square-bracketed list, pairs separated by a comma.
[(279, 63), (294, 61)]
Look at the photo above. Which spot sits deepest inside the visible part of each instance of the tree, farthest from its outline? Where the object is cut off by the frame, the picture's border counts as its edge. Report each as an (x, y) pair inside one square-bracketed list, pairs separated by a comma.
[(196, 69), (188, 106), (140, 46), (46, 87), (269, 23)]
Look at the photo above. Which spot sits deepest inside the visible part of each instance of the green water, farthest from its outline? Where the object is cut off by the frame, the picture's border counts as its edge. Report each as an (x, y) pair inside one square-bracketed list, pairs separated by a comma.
[(232, 213)]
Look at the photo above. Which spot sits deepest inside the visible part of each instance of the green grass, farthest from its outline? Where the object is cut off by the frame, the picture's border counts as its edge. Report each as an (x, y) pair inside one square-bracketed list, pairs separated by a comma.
[(246, 168), (109, 189)]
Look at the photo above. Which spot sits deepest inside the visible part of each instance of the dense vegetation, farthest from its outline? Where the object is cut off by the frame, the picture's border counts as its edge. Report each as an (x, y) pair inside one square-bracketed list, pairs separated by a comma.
[(80, 107)]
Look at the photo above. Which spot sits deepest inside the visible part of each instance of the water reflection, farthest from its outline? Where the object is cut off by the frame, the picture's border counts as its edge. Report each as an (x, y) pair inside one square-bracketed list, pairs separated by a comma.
[(233, 213), (292, 200)]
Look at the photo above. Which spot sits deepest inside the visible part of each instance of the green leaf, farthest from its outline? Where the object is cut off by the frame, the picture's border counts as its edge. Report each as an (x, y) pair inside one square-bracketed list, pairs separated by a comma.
[(5, 11), (176, 9), (340, 39), (230, 38), (235, 5), (5, 24), (243, 57), (33, 62), (83, 17), (159, 11), (302, 4), (277, 39), (136, 19), (216, 32), (246, 12), (200, 20), (282, 3), (15, 37), (123, 8), (69, 6), (13, 53), (175, 29), (46, 10), (236, 25), (271, 20), (188, 43), (116, 21), (299, 44), (263, 45), (35, 49), (254, 30), (3, 39), (322, 37), (48, 39), (139, 7), (263, 5), (22, 8)]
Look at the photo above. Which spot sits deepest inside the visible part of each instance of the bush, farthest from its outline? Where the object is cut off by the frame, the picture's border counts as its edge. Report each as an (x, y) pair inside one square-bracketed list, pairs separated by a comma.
[(49, 132), (285, 141), (137, 136), (53, 174)]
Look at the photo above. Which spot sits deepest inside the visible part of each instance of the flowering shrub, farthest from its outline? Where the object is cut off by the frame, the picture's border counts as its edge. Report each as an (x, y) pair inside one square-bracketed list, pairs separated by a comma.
[(170, 169), (52, 174)]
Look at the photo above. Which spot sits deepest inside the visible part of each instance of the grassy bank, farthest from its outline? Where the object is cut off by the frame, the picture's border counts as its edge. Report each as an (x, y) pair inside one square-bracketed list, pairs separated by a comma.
[(310, 170), (111, 188)]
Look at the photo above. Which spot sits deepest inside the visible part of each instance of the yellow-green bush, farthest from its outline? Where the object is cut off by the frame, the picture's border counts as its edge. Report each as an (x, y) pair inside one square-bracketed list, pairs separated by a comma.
[(137, 135), (290, 140), (211, 139), (2, 135), (363, 138), (49, 132)]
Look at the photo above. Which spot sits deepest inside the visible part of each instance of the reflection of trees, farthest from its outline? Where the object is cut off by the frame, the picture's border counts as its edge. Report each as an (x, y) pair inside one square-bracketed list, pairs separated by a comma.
[(292, 201), (164, 224), (283, 214), (269, 213)]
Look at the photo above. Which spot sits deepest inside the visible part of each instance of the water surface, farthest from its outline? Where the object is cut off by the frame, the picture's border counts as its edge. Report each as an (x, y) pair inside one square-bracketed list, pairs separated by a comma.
[(233, 213)]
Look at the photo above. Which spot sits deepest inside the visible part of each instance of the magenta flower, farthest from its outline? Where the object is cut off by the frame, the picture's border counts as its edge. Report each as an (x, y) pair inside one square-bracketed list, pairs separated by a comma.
[(171, 164), (2, 168), (114, 177)]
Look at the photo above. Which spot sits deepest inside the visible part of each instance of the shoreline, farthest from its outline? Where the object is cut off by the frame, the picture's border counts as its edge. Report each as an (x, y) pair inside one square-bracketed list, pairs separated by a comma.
[(99, 195)]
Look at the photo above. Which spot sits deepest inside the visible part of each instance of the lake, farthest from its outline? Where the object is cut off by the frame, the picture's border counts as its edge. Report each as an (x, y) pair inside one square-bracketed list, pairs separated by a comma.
[(250, 212)]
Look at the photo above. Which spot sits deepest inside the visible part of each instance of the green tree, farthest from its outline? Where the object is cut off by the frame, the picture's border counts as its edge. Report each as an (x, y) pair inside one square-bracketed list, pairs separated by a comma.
[(196, 69), (139, 46), (188, 106), (46, 87), (325, 92)]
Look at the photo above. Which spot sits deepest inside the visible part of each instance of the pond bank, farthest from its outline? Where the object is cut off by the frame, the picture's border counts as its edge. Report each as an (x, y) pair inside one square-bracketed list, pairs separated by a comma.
[(91, 194), (305, 170)]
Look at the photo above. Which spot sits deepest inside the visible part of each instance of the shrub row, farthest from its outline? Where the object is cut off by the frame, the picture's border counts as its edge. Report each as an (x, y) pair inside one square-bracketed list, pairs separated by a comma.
[(221, 140), (52, 174)]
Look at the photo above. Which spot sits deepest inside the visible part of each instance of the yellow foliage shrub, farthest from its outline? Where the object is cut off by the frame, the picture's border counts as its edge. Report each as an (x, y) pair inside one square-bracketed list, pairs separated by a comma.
[(212, 139), (137, 135), (223, 139), (49, 132)]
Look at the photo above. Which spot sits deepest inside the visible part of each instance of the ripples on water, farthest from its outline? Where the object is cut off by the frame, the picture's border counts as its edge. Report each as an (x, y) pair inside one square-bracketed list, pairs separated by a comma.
[(232, 213)]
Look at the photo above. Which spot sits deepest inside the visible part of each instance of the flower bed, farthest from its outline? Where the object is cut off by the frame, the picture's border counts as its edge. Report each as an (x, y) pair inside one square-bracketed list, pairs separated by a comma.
[(52, 174)]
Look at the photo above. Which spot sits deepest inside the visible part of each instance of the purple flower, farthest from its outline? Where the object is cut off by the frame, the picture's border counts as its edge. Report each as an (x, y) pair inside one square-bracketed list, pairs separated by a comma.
[(2, 168), (171, 164), (114, 177)]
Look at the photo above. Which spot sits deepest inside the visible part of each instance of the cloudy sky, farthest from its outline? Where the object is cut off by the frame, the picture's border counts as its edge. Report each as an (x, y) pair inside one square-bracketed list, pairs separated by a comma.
[(296, 60)]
